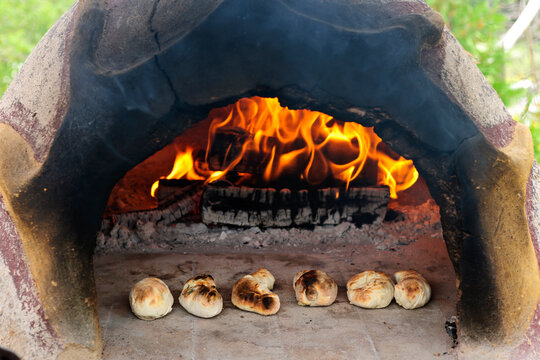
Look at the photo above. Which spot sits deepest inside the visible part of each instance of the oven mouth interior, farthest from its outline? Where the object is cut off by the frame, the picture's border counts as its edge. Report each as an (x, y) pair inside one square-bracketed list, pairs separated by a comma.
[(143, 242), (256, 143)]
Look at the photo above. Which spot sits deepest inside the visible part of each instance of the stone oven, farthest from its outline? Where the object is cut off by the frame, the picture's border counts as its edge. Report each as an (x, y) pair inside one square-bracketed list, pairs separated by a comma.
[(113, 82)]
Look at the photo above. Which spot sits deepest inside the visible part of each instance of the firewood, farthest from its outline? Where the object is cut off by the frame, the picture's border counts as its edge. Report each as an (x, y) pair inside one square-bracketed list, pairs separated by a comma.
[(268, 207), (228, 145), (180, 197), (177, 201)]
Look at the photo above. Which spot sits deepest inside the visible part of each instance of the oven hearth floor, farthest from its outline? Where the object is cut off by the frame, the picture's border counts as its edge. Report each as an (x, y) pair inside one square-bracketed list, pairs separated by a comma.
[(340, 331)]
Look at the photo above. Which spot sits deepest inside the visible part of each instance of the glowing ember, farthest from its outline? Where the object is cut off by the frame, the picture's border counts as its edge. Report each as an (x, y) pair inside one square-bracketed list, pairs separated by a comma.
[(296, 145)]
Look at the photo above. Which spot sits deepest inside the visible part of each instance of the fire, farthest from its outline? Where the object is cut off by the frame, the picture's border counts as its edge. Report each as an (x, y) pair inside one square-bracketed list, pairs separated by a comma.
[(183, 168), (291, 147)]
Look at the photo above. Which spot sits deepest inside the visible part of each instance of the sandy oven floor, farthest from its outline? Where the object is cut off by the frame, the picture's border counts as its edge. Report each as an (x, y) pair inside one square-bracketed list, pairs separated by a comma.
[(340, 331)]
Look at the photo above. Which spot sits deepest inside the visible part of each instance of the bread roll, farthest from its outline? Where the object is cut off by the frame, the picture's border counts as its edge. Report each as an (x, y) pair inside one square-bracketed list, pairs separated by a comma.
[(370, 289), (412, 290), (252, 293), (200, 297), (314, 288), (264, 277), (150, 299)]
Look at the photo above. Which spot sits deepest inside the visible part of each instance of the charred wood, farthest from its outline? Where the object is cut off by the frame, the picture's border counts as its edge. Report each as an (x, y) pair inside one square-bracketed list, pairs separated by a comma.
[(268, 207), (179, 197), (228, 145)]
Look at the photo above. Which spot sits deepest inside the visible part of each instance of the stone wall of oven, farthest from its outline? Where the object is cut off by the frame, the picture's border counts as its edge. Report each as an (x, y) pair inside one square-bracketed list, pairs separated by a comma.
[(115, 81)]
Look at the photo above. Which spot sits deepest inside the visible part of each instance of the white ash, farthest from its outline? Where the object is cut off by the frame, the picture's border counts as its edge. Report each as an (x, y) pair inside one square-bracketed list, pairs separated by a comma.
[(151, 232)]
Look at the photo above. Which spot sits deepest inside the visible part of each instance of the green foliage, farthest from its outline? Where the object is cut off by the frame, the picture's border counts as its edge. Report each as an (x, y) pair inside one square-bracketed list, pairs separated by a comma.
[(479, 25), (22, 24), (535, 130), (532, 119)]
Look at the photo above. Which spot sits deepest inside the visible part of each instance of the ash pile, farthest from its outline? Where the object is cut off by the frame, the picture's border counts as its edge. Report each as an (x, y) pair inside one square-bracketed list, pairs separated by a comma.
[(190, 213)]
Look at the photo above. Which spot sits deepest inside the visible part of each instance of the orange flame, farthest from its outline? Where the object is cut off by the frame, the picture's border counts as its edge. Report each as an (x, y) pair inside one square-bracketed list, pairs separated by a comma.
[(307, 145), (183, 167)]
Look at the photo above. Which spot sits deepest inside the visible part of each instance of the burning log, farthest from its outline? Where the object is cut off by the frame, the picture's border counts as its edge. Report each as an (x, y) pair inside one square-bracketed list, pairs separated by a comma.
[(180, 196), (228, 145), (267, 207), (177, 199)]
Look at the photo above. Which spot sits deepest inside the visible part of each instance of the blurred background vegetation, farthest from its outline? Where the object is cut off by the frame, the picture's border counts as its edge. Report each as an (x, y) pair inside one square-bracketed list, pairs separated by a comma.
[(479, 26), (22, 24)]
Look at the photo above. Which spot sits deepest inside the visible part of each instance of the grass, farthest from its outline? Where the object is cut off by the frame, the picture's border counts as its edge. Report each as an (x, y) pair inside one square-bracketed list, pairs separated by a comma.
[(24, 22), (526, 109)]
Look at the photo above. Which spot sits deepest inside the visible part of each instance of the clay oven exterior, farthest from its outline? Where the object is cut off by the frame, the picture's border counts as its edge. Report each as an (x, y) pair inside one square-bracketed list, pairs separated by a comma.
[(113, 82)]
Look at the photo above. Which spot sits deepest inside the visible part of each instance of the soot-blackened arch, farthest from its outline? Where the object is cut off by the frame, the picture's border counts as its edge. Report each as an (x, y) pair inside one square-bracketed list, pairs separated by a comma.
[(136, 85)]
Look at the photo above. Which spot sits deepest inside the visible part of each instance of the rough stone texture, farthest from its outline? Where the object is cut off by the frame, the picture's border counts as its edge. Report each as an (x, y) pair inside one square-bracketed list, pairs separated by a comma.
[(151, 26), (336, 55), (31, 258), (36, 102), (24, 329), (488, 112), (533, 206), (31, 111), (450, 66), (530, 349), (25, 310), (494, 189)]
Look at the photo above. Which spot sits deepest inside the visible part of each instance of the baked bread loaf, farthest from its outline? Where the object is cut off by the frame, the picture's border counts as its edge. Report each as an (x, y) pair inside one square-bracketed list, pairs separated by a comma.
[(370, 289), (412, 290), (200, 297), (314, 288), (252, 293), (150, 299), (264, 277)]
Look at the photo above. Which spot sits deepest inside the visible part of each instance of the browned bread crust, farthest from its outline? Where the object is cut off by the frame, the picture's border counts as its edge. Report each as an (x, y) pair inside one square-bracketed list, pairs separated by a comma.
[(264, 277), (251, 293), (412, 290), (200, 297), (314, 288), (370, 289), (150, 299)]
